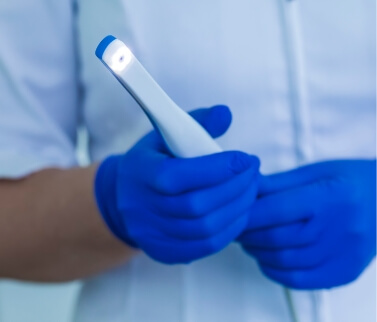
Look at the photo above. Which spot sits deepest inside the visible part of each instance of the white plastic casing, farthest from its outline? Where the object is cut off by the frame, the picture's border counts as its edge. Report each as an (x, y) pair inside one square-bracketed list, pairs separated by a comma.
[(182, 134)]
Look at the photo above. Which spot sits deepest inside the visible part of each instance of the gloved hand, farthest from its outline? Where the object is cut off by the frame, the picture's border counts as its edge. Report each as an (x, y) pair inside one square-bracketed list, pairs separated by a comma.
[(315, 227), (178, 210)]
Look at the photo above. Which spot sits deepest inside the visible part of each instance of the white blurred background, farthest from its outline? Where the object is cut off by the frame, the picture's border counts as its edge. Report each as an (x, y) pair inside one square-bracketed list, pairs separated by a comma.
[(28, 302)]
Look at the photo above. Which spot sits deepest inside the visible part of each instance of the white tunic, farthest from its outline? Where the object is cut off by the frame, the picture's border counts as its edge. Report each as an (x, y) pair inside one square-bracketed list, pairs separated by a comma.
[(299, 77)]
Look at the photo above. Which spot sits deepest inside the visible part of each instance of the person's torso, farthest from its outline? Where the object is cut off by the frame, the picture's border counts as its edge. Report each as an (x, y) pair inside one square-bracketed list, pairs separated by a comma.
[(296, 97)]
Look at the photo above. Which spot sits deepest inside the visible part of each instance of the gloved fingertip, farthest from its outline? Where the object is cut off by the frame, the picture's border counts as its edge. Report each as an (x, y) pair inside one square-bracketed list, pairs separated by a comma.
[(216, 120), (241, 162), (222, 111), (255, 161)]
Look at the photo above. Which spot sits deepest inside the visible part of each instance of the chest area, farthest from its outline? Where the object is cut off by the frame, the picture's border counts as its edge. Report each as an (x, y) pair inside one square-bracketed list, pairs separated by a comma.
[(234, 48)]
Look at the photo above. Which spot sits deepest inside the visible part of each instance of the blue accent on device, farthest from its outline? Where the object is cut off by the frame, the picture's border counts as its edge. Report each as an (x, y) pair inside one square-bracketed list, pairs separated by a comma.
[(103, 45)]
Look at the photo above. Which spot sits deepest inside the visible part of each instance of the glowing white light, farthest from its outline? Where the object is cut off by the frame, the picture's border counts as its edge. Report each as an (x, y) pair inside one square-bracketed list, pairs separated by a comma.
[(120, 59)]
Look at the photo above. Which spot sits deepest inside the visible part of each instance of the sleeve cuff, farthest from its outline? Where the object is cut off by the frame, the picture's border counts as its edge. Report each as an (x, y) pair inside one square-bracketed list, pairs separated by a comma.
[(16, 166)]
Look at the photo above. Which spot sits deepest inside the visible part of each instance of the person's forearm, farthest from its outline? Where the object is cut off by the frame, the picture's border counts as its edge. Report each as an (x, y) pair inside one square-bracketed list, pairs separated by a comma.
[(50, 228)]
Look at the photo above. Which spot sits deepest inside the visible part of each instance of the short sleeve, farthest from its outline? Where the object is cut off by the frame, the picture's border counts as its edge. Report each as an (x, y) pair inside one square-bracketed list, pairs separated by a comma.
[(38, 86)]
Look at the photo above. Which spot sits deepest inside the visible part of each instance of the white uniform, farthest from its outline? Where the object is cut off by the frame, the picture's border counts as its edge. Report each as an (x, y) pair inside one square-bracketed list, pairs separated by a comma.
[(299, 77)]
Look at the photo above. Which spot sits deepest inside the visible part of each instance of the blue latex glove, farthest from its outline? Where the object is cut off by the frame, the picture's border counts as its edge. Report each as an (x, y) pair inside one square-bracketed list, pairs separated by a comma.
[(315, 227), (178, 210)]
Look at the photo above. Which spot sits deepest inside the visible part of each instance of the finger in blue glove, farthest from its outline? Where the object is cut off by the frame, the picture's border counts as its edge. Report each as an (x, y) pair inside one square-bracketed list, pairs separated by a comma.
[(315, 227), (178, 210)]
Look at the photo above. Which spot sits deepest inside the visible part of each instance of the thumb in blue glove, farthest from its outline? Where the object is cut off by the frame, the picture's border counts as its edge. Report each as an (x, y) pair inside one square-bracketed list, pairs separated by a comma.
[(315, 227), (178, 210)]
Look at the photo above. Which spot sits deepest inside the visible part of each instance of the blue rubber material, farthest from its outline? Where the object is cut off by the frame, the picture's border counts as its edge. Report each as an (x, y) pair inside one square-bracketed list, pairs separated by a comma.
[(103, 45), (145, 206)]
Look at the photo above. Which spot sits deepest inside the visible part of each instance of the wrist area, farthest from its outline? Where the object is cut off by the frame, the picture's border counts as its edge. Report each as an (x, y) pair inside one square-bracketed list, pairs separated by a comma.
[(105, 190)]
